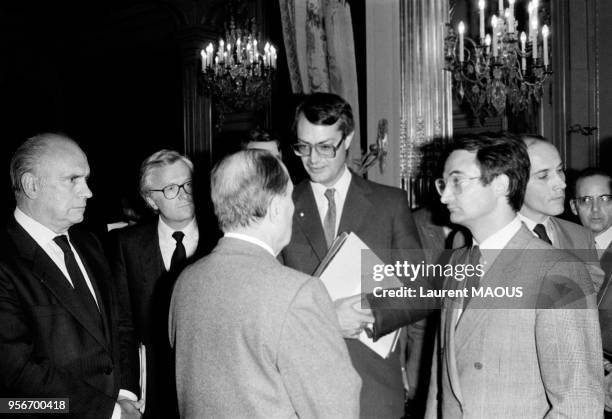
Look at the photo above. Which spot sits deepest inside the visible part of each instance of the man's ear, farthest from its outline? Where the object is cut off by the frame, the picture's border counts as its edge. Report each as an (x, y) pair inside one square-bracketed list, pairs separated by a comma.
[(151, 203), (274, 208), (501, 185), (573, 207), (349, 138), (30, 185)]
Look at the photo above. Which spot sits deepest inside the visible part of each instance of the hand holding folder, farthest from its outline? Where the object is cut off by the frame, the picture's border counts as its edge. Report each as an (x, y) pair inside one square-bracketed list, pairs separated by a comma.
[(351, 316), (340, 272)]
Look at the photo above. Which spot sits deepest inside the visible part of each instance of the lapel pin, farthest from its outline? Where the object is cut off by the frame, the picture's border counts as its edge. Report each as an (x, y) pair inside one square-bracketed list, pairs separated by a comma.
[(301, 214)]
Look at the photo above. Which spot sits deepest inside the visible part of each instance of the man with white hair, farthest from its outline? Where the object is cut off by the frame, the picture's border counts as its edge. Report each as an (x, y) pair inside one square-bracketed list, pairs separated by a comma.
[(254, 338), (147, 260)]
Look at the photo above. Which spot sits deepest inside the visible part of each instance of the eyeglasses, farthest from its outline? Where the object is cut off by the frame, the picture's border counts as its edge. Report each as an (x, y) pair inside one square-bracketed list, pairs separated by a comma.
[(587, 201), (454, 182), (172, 191), (324, 150)]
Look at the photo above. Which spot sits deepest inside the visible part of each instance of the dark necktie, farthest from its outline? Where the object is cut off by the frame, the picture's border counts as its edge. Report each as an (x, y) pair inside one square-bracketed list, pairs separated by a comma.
[(540, 230), (78, 280), (473, 259), (180, 255), (329, 222)]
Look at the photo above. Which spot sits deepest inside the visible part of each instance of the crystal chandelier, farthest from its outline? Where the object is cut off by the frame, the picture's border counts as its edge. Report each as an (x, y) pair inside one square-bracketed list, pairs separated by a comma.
[(238, 73), (505, 69)]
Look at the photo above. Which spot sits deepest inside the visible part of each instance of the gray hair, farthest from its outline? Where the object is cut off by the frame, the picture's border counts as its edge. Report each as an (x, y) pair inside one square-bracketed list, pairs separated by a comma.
[(27, 157), (159, 159), (243, 184)]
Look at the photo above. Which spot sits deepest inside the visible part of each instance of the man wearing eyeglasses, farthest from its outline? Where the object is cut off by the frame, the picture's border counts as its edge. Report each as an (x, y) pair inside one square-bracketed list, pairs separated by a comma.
[(545, 200), (592, 203), (147, 261), (334, 200), (534, 355)]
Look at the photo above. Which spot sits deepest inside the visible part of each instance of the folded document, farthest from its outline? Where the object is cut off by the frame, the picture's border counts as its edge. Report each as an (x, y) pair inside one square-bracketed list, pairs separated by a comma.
[(342, 275)]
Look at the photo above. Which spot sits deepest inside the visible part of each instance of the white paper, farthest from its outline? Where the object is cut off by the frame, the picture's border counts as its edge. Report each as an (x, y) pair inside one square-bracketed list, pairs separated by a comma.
[(342, 278)]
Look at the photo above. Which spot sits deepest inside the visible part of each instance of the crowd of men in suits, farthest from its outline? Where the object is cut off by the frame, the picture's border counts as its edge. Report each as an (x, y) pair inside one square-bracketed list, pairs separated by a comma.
[(154, 326)]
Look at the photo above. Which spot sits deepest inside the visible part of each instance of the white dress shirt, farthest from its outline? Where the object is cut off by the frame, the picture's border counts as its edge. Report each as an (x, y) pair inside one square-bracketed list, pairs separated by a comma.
[(603, 240), (493, 245), (546, 223), (44, 238), (167, 244), (252, 240), (341, 187)]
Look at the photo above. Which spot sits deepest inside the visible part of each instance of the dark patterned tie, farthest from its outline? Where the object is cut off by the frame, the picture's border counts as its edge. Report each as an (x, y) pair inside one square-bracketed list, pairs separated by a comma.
[(540, 230), (473, 259), (78, 280), (179, 256), (329, 223)]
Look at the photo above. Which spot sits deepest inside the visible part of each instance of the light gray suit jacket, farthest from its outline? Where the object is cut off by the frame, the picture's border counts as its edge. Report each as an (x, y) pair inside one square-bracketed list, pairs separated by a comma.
[(259, 340), (521, 362), (580, 241)]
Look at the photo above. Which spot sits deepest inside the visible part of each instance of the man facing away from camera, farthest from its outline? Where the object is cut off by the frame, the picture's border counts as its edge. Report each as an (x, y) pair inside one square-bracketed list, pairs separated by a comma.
[(254, 338)]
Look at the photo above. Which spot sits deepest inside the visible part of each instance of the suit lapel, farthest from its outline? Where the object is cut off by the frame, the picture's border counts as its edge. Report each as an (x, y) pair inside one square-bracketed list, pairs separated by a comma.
[(458, 332), (502, 273), (357, 206), (450, 318), (51, 277), (561, 238), (606, 260), (306, 216), (151, 261), (94, 271)]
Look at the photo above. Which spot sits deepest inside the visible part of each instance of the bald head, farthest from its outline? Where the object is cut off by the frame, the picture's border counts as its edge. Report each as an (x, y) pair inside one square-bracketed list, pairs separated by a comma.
[(29, 155), (49, 174), (243, 184)]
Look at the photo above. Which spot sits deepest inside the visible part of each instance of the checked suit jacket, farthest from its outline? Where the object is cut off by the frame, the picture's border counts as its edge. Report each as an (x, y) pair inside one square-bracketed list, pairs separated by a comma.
[(380, 216), (532, 360), (145, 289), (50, 346)]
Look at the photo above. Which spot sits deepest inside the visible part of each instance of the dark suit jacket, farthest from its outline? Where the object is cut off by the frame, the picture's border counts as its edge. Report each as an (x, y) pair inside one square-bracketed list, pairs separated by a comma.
[(145, 289), (380, 216), (49, 345)]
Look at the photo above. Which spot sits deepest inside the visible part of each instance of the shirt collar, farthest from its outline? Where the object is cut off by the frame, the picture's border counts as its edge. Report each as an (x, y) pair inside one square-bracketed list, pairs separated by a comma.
[(341, 186), (41, 234), (531, 224), (500, 238), (492, 246), (252, 240), (165, 231), (602, 240)]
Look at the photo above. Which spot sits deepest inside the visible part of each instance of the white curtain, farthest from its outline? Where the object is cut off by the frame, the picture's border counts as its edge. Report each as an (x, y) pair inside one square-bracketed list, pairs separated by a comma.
[(320, 51)]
